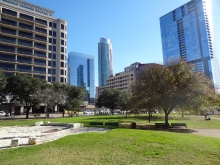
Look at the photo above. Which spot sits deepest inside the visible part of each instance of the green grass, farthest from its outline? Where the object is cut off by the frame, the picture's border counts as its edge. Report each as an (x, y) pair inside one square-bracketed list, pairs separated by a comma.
[(119, 146), (191, 121)]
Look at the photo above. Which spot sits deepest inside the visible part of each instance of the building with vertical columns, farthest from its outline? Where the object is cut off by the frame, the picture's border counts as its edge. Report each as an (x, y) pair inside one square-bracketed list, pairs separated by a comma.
[(104, 60), (187, 32), (81, 73), (32, 41)]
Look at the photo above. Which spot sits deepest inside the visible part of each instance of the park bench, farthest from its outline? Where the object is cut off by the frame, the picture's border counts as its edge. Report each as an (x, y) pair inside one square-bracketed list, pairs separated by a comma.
[(178, 124), (161, 124), (111, 123), (96, 123), (36, 115)]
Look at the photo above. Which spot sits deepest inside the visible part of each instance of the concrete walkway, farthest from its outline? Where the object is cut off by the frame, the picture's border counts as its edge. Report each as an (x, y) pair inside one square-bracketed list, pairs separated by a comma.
[(42, 133)]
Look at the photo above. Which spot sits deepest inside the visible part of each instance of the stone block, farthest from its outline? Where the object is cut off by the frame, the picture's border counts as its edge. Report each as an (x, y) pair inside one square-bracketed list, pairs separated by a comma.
[(75, 125), (47, 122), (39, 123), (15, 142), (32, 141)]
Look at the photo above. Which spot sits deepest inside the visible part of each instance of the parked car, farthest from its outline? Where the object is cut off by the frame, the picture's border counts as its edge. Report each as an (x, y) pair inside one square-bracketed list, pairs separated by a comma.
[(2, 113)]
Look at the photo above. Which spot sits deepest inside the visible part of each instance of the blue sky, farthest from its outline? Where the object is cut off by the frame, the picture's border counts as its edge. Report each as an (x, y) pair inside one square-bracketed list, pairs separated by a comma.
[(131, 25)]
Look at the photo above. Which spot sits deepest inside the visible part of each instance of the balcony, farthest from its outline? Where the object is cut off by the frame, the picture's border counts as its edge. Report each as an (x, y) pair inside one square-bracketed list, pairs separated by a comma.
[(39, 72), (41, 23), (25, 36), (7, 50), (7, 59), (24, 61), (24, 70), (40, 47), (8, 23), (7, 40), (40, 31), (26, 27), (8, 69), (23, 52), (40, 63), (40, 39), (26, 17), (25, 44), (9, 13), (40, 55), (8, 32)]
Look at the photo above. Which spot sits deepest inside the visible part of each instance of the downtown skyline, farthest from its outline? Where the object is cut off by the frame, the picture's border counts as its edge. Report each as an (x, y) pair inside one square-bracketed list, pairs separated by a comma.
[(133, 28)]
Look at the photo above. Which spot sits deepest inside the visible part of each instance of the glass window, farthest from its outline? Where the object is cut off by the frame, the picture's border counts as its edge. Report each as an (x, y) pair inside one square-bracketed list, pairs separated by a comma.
[(50, 47), (62, 42), (50, 40), (49, 63), (50, 33), (62, 49), (61, 79), (49, 79), (54, 34), (54, 25), (62, 64), (49, 71), (62, 57), (50, 55), (50, 24), (62, 72), (54, 41), (62, 26), (62, 35), (53, 71), (53, 79), (54, 56), (54, 48), (54, 63)]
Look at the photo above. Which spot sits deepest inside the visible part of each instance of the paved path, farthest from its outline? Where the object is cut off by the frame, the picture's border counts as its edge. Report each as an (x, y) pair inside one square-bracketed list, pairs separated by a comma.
[(24, 132)]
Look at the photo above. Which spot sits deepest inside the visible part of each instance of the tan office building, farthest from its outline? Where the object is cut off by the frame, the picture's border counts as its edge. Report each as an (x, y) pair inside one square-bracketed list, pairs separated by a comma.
[(32, 41), (123, 81)]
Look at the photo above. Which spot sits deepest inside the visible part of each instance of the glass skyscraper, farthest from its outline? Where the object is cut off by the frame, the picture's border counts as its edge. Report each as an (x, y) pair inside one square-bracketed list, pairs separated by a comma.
[(104, 60), (187, 32), (81, 73)]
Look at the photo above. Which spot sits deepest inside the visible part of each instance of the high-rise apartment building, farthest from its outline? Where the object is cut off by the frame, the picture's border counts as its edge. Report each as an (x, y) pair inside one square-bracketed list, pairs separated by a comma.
[(81, 73), (32, 41), (104, 60), (187, 32)]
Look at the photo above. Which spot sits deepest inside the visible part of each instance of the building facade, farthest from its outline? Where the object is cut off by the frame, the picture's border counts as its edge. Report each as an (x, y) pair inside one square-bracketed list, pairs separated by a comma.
[(187, 32), (32, 41), (104, 60), (123, 81), (81, 73)]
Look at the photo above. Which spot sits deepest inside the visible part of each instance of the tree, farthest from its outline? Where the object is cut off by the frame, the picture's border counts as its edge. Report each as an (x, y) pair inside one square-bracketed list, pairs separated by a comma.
[(75, 96), (3, 82), (171, 86), (109, 98), (23, 88), (124, 102)]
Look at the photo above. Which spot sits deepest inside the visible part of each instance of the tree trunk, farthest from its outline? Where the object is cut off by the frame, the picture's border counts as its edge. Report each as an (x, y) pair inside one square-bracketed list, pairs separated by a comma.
[(182, 113), (27, 112), (149, 116), (166, 119)]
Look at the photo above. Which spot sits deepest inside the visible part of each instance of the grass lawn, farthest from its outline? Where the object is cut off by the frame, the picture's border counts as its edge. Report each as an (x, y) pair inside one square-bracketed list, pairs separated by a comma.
[(191, 121), (119, 147)]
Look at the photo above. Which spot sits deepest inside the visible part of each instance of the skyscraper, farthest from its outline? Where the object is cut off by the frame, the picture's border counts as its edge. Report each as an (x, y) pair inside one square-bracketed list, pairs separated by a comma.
[(81, 73), (104, 60), (187, 32), (32, 41)]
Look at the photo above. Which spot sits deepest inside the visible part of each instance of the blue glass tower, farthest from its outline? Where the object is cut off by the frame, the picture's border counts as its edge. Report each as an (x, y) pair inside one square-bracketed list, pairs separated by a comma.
[(104, 60), (187, 32), (81, 73)]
